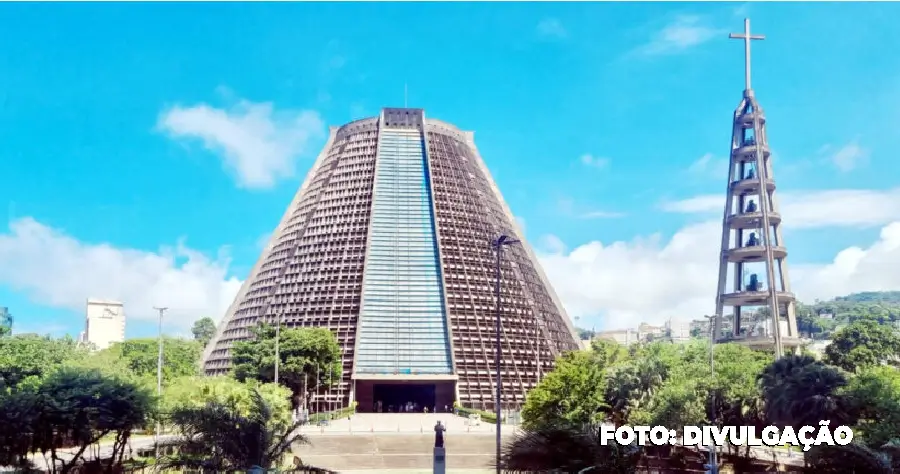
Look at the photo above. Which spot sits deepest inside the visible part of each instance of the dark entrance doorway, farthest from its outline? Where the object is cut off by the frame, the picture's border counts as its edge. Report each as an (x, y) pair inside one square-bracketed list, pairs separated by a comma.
[(399, 398)]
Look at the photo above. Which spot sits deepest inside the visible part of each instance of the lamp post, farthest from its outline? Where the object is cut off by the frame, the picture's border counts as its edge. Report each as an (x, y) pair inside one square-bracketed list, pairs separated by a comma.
[(159, 364), (277, 347), (498, 246), (712, 465)]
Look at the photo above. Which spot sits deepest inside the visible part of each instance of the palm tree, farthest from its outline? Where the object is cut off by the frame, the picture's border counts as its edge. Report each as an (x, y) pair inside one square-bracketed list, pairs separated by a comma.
[(633, 385), (853, 458), (568, 449), (218, 438), (800, 390)]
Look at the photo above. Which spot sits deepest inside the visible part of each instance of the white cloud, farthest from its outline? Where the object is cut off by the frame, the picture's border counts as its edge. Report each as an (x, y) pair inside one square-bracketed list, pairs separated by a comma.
[(848, 157), (551, 28), (709, 166), (833, 208), (855, 269), (647, 279), (57, 270), (588, 159), (257, 143), (695, 205), (623, 283), (683, 33), (567, 207), (600, 215), (552, 244)]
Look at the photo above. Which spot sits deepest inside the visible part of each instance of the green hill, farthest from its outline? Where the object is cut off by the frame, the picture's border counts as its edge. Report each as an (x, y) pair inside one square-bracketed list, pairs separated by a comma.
[(872, 297), (821, 318)]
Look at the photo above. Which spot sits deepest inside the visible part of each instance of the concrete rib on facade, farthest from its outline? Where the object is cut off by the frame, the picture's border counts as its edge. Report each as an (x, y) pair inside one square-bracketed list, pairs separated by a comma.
[(753, 271), (387, 244)]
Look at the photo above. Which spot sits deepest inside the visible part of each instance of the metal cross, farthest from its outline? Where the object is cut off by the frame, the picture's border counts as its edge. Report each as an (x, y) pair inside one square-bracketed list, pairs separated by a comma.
[(747, 37)]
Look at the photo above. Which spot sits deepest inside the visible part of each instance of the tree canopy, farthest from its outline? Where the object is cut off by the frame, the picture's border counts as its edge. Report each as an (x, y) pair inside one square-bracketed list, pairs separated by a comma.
[(309, 358), (25, 356), (204, 330), (863, 343), (572, 393), (70, 407), (195, 392)]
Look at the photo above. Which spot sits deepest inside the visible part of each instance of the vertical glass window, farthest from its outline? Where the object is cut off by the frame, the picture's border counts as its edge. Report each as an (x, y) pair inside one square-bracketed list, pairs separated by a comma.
[(402, 324)]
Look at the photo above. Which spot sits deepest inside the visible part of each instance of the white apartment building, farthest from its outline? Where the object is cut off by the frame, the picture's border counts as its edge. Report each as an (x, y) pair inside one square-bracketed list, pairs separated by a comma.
[(104, 323)]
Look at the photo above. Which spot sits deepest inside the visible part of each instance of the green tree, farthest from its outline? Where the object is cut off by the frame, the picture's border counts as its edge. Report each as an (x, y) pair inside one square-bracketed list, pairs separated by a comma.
[(204, 330), (800, 390), (678, 388), (572, 394), (310, 359), (863, 343), (632, 383), (850, 459), (219, 437), (25, 356), (77, 407), (195, 392), (874, 396), (564, 448), (18, 415), (181, 357)]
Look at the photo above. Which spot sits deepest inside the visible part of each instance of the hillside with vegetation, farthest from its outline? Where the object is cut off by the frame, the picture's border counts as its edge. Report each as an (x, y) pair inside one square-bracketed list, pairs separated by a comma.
[(820, 319)]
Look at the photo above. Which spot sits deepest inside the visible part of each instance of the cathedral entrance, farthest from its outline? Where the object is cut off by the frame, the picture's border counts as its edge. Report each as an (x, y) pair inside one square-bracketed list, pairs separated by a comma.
[(404, 396)]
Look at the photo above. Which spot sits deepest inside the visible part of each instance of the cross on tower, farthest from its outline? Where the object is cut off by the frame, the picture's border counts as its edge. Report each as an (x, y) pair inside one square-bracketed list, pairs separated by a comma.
[(747, 37)]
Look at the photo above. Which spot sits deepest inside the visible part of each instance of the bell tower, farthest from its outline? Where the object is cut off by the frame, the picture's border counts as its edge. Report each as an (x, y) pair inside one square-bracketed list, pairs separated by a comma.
[(753, 274)]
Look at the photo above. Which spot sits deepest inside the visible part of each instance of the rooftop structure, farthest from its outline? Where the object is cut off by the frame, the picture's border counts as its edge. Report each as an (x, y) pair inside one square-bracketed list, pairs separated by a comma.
[(388, 244), (104, 323), (753, 271), (6, 321)]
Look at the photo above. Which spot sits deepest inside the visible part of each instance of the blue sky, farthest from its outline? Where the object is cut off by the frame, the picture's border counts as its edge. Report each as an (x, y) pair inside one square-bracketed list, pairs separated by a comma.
[(148, 149)]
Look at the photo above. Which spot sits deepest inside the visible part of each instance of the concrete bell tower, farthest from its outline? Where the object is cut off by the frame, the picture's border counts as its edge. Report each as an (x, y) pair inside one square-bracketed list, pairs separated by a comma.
[(753, 273)]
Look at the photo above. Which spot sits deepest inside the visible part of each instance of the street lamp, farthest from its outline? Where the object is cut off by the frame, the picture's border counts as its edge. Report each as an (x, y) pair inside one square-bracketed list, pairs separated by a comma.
[(712, 466), (159, 364), (277, 341), (498, 246)]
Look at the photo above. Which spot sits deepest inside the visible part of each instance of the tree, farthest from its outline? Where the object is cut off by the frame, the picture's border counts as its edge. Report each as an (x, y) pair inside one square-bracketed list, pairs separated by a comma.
[(195, 392), (18, 413), (79, 407), (218, 437), (25, 356), (863, 343), (568, 449), (850, 459), (800, 390), (310, 358), (584, 334), (874, 395), (181, 357), (571, 394), (204, 330), (633, 382)]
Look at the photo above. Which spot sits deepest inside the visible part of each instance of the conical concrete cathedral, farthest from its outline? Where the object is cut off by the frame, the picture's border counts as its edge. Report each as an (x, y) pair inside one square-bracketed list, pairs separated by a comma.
[(388, 245)]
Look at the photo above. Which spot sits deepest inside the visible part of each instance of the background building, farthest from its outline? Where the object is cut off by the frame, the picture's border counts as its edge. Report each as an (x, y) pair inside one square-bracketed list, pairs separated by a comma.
[(6, 321), (387, 244), (104, 323)]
